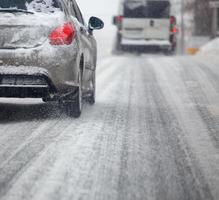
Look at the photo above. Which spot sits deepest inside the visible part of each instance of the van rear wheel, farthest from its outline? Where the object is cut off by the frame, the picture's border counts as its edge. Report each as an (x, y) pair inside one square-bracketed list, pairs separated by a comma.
[(118, 45), (170, 51)]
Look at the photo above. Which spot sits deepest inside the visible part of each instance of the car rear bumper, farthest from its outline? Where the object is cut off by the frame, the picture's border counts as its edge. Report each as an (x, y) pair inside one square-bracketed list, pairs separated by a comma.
[(142, 42), (21, 82), (23, 92), (59, 63)]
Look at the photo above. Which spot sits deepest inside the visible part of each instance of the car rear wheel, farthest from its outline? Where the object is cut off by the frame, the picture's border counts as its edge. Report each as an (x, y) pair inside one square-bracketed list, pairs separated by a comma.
[(73, 104)]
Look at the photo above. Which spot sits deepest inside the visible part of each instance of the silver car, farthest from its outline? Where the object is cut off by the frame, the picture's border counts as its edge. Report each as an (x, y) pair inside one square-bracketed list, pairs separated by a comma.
[(47, 51)]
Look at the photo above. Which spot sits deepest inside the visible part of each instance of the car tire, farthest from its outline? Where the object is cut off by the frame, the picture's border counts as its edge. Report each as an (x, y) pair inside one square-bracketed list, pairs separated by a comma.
[(73, 105), (44, 99), (170, 52), (92, 97), (118, 42)]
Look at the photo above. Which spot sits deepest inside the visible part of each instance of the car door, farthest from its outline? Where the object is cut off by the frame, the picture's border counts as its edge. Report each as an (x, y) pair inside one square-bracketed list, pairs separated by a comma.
[(89, 48)]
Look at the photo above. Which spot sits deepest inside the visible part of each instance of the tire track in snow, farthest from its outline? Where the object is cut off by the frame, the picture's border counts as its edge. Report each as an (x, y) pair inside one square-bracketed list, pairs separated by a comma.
[(133, 144), (77, 151), (25, 154), (205, 94), (188, 173), (203, 155)]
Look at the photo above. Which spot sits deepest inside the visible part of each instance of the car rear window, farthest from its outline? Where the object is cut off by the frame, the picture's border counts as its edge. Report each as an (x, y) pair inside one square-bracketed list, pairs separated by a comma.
[(45, 6), (146, 9)]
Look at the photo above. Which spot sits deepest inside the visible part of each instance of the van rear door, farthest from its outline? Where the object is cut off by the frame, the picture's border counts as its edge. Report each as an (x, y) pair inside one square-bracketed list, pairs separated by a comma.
[(146, 20)]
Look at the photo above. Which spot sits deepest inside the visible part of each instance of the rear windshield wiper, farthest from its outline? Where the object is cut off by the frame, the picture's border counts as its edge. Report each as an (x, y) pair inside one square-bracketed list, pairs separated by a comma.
[(14, 10)]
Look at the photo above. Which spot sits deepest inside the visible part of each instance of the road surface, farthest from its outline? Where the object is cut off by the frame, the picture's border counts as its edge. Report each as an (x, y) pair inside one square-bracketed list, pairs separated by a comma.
[(152, 135)]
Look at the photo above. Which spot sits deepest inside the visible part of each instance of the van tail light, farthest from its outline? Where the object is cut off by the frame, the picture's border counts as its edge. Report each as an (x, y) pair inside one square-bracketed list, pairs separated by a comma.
[(173, 27), (63, 35), (175, 30), (119, 19)]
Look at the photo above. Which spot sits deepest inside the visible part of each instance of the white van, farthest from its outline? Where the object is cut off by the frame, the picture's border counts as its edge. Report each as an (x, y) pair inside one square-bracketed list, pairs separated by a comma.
[(146, 23)]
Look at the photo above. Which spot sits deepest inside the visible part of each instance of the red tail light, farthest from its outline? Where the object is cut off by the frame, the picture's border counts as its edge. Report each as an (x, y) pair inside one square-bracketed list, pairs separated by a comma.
[(63, 35), (175, 30), (119, 19)]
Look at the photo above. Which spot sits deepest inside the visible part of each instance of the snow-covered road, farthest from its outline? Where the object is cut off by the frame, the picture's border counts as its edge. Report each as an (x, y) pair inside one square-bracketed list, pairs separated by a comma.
[(153, 134)]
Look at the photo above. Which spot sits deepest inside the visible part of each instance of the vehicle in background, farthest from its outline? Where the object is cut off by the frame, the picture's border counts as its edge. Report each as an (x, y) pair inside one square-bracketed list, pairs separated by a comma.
[(146, 23), (47, 51)]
